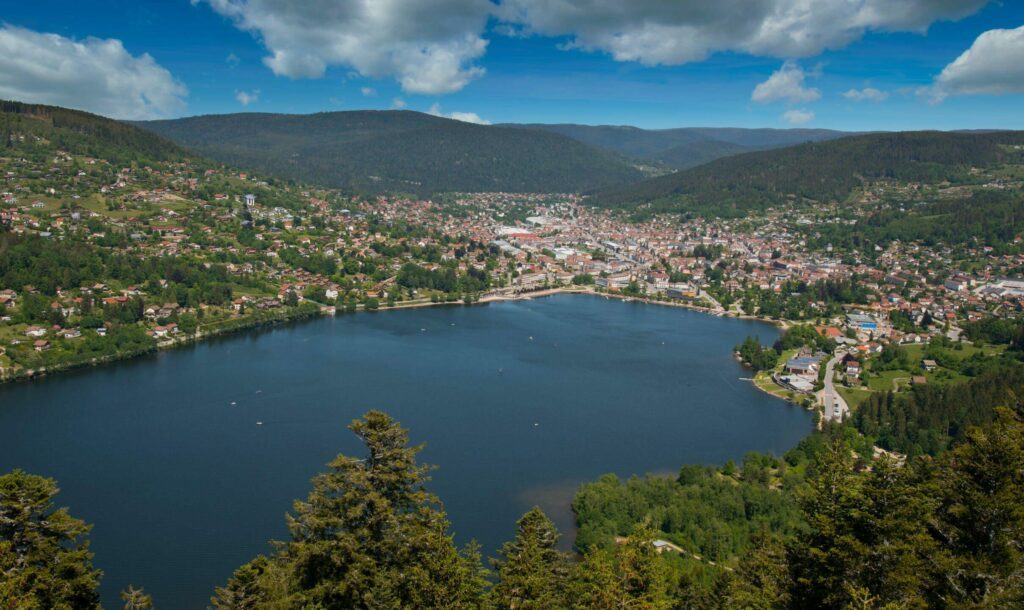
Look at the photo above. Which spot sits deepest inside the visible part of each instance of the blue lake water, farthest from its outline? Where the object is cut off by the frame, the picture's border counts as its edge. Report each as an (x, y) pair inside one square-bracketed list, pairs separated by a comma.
[(518, 403)]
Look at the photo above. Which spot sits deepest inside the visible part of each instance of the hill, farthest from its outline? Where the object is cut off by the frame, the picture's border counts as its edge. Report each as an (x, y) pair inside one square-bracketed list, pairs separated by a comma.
[(819, 171), (79, 133), (684, 147), (399, 151)]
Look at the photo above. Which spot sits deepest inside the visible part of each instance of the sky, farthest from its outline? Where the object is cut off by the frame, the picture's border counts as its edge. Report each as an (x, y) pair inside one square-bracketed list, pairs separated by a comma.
[(853, 65)]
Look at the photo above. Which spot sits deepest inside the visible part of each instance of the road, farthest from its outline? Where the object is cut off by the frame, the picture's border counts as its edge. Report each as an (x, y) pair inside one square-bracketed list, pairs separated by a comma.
[(835, 405)]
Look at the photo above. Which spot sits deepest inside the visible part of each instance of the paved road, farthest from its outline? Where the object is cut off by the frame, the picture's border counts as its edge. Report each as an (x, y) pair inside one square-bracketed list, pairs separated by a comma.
[(835, 405)]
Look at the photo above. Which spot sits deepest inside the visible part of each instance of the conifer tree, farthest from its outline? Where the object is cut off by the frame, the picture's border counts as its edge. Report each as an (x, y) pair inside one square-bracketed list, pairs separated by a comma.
[(45, 560), (532, 572), (631, 575), (136, 599), (982, 514), (369, 535)]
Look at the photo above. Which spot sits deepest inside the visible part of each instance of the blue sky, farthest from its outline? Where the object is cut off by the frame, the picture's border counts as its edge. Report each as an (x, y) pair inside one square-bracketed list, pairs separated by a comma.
[(645, 63)]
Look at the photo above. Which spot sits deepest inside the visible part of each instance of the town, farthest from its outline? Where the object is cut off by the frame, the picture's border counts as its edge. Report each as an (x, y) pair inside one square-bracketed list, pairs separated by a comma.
[(171, 253)]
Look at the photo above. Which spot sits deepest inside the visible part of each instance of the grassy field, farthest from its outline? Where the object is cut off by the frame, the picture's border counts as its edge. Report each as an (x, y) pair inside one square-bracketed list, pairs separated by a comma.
[(853, 396), (888, 380)]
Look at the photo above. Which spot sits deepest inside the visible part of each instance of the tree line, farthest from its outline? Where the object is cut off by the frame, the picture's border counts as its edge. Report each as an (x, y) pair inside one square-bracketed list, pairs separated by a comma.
[(851, 533)]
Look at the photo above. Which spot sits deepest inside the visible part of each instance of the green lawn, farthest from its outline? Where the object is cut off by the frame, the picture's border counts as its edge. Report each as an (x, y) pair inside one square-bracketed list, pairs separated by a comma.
[(883, 382), (853, 397)]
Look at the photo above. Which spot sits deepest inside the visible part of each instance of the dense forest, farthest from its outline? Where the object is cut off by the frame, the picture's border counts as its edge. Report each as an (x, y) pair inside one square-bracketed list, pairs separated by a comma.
[(984, 218), (399, 151), (683, 147), (82, 133), (929, 418), (818, 171), (827, 527)]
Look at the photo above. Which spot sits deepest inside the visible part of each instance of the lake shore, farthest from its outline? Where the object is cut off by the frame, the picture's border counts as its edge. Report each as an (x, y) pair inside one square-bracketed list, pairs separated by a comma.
[(241, 325)]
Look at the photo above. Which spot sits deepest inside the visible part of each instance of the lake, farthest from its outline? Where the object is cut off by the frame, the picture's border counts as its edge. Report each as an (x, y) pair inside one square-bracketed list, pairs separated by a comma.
[(518, 403)]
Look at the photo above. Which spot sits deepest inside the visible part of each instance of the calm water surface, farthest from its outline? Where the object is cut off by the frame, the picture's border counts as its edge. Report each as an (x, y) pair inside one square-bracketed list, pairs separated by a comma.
[(518, 404)]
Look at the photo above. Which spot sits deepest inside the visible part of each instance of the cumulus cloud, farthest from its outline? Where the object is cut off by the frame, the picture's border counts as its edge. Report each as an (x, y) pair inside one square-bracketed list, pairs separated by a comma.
[(466, 117), (429, 46), (656, 32), (798, 116), (993, 65), (867, 94), (398, 103), (785, 84), (92, 74), (232, 60), (368, 91), (247, 97)]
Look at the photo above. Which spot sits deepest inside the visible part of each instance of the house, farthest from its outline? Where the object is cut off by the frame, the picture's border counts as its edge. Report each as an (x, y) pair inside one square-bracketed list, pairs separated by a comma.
[(41, 345), (929, 365), (918, 380), (35, 331), (803, 365)]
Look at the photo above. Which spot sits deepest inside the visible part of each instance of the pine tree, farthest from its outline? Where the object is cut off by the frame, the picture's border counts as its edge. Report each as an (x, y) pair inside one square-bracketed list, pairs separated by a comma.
[(982, 515), (369, 535), (532, 573), (629, 576), (822, 557), (45, 560), (246, 589), (136, 599), (891, 524), (762, 577)]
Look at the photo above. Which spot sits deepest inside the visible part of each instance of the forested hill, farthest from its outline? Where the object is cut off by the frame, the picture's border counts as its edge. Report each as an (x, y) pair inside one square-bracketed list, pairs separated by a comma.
[(819, 171), (81, 133), (684, 147), (399, 151)]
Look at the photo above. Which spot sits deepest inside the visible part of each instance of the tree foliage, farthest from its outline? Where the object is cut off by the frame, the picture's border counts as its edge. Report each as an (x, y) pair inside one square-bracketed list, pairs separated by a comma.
[(45, 562)]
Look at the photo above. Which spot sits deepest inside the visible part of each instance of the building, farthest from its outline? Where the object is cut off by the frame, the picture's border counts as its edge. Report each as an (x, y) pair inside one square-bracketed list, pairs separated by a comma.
[(803, 365), (861, 321)]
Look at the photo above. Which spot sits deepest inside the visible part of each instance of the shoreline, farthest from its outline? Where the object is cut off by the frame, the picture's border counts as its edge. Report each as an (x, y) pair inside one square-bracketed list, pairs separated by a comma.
[(240, 326)]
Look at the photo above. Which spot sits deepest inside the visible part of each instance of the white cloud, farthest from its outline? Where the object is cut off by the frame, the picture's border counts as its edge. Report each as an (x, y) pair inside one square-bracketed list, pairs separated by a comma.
[(993, 65), (867, 94), (786, 83), (247, 97), (398, 103), (798, 116), (92, 74), (232, 60), (429, 46), (465, 117), (368, 91), (674, 32)]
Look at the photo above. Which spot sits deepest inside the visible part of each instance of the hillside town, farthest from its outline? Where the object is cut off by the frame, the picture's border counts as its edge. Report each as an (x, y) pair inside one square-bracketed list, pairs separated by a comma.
[(236, 250)]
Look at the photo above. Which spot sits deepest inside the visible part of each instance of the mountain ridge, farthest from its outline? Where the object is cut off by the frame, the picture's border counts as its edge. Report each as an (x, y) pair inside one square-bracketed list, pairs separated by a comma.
[(683, 147), (398, 150), (816, 171)]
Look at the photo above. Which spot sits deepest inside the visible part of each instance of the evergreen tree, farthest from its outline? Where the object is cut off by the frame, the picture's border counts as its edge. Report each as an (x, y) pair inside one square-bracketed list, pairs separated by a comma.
[(246, 589), (823, 555), (369, 535), (136, 599), (982, 514), (532, 573), (631, 575), (45, 560), (762, 577)]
